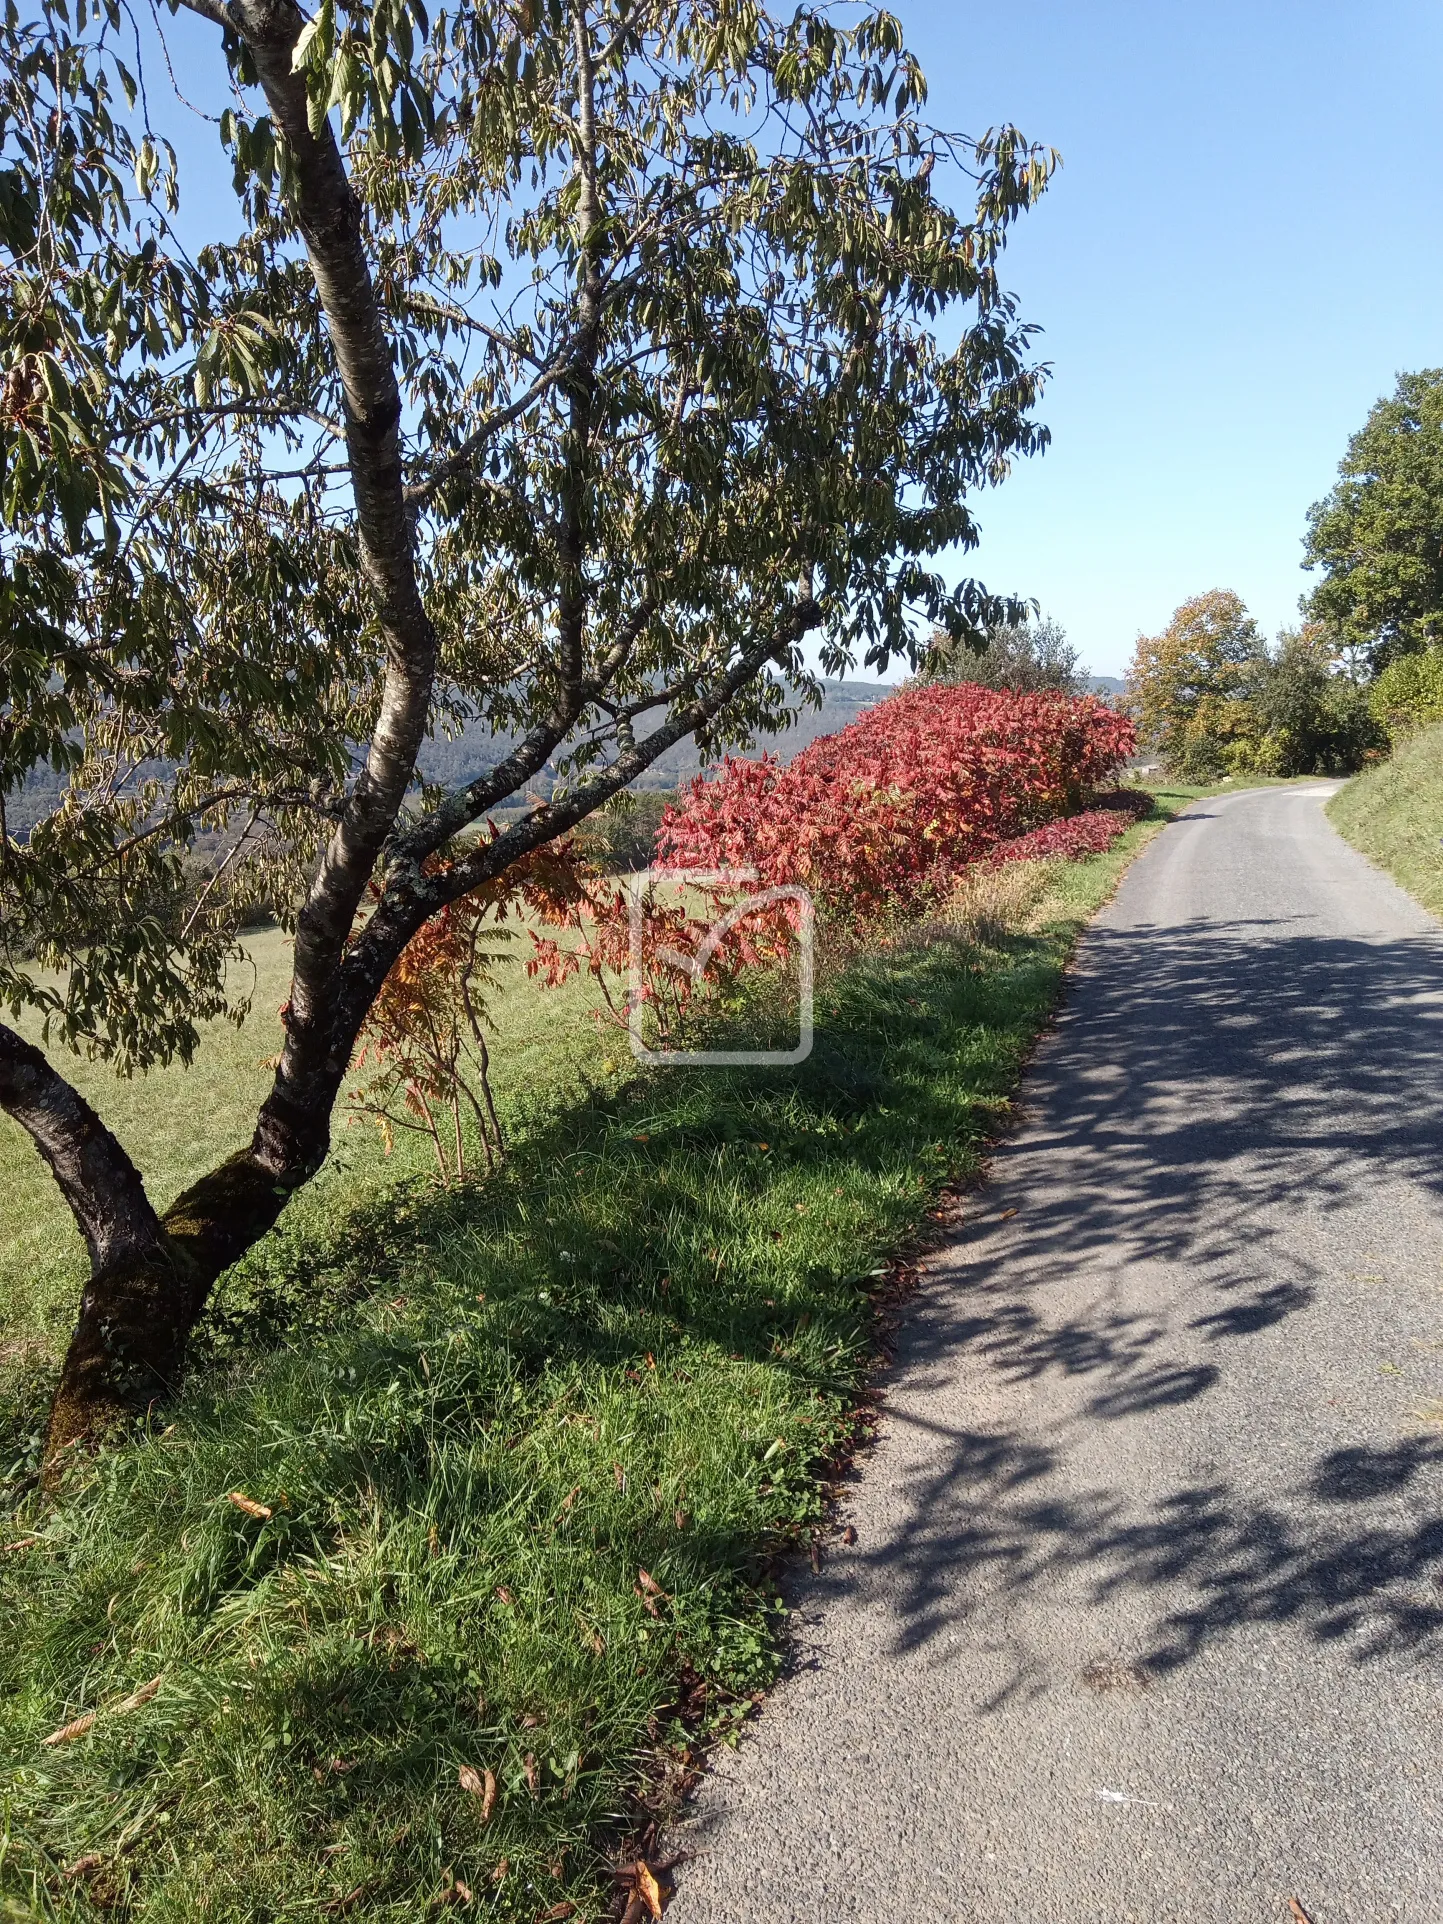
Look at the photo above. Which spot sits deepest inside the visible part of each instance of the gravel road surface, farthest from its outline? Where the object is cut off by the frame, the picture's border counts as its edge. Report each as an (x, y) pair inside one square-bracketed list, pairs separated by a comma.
[(1144, 1619)]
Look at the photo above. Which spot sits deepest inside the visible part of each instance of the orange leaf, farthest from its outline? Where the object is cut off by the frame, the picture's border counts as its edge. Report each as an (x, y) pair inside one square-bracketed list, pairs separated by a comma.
[(250, 1506), (647, 1887), (68, 1731)]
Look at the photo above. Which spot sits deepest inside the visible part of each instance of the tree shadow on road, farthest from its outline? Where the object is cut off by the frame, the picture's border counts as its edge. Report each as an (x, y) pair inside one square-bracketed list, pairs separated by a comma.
[(1229, 1113)]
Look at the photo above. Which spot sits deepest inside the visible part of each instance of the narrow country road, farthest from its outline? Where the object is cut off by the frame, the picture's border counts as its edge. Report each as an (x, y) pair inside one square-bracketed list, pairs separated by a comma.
[(1144, 1619)]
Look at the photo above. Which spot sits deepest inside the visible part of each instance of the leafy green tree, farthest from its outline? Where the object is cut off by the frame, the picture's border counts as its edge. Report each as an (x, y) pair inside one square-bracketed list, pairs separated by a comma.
[(1409, 693), (1024, 656), (1378, 537), (575, 361), (1315, 719), (1190, 688)]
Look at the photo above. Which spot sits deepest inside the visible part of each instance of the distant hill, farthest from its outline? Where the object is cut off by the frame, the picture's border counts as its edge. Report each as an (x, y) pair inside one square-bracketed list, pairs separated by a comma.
[(455, 761), (1105, 685)]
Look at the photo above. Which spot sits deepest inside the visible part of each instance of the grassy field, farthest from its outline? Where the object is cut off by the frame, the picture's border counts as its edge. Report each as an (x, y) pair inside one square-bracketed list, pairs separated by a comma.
[(177, 1123), (517, 1464), (1394, 814)]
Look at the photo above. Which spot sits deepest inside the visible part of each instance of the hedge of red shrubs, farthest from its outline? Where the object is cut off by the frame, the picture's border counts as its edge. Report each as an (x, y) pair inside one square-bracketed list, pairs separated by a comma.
[(892, 808), (1073, 836), (879, 818)]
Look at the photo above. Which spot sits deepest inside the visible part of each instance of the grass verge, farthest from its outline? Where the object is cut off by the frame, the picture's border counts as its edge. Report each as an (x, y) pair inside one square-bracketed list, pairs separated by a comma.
[(1394, 814), (515, 1466)]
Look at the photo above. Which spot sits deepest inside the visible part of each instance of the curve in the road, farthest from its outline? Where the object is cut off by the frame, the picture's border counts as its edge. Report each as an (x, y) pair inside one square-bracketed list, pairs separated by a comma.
[(1144, 1619)]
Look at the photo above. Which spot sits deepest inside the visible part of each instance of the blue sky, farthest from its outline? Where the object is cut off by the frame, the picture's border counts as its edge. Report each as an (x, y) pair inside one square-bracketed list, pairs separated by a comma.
[(1243, 248)]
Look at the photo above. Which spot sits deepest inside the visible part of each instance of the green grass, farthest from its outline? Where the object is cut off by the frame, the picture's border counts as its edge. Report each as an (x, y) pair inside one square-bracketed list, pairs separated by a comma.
[(177, 1123), (477, 1418), (1394, 814)]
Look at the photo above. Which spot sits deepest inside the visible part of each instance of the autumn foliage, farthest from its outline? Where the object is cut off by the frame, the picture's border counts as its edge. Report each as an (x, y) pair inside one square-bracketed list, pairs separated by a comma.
[(889, 811), (874, 821)]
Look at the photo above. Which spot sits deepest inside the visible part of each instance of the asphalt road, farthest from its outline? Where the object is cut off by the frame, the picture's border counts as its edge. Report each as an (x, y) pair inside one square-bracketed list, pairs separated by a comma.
[(1144, 1619)]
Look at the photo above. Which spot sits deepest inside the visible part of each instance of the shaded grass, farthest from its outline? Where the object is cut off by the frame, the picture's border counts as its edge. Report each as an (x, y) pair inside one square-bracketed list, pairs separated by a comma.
[(1394, 814), (530, 1450)]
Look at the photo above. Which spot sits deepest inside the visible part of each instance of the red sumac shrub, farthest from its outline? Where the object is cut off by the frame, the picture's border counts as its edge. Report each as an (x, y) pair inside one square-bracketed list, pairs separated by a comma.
[(892, 807)]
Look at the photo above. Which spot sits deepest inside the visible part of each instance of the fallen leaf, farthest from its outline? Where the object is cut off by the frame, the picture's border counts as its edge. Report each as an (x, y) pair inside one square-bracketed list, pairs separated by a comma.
[(22, 1543), (649, 1583), (502, 1871), (632, 1913), (849, 1535), (250, 1506), (480, 1784), (68, 1731), (558, 1910), (619, 1476), (91, 1861), (1005, 1214), (347, 1901), (647, 1887), (503, 1594), (139, 1697), (1300, 1915), (533, 1776), (815, 1556)]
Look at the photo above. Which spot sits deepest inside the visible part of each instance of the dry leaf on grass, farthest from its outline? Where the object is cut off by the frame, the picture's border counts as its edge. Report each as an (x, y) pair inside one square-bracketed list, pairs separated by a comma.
[(346, 1901), (139, 1697), (480, 1784), (533, 1775), (250, 1506), (71, 1730), (647, 1895), (21, 1543), (91, 1861), (562, 1909)]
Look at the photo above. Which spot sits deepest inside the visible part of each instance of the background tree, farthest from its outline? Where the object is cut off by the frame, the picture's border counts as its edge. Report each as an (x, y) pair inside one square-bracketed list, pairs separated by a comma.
[(575, 361), (1315, 718), (1378, 537), (1021, 655), (1409, 693), (1189, 688)]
